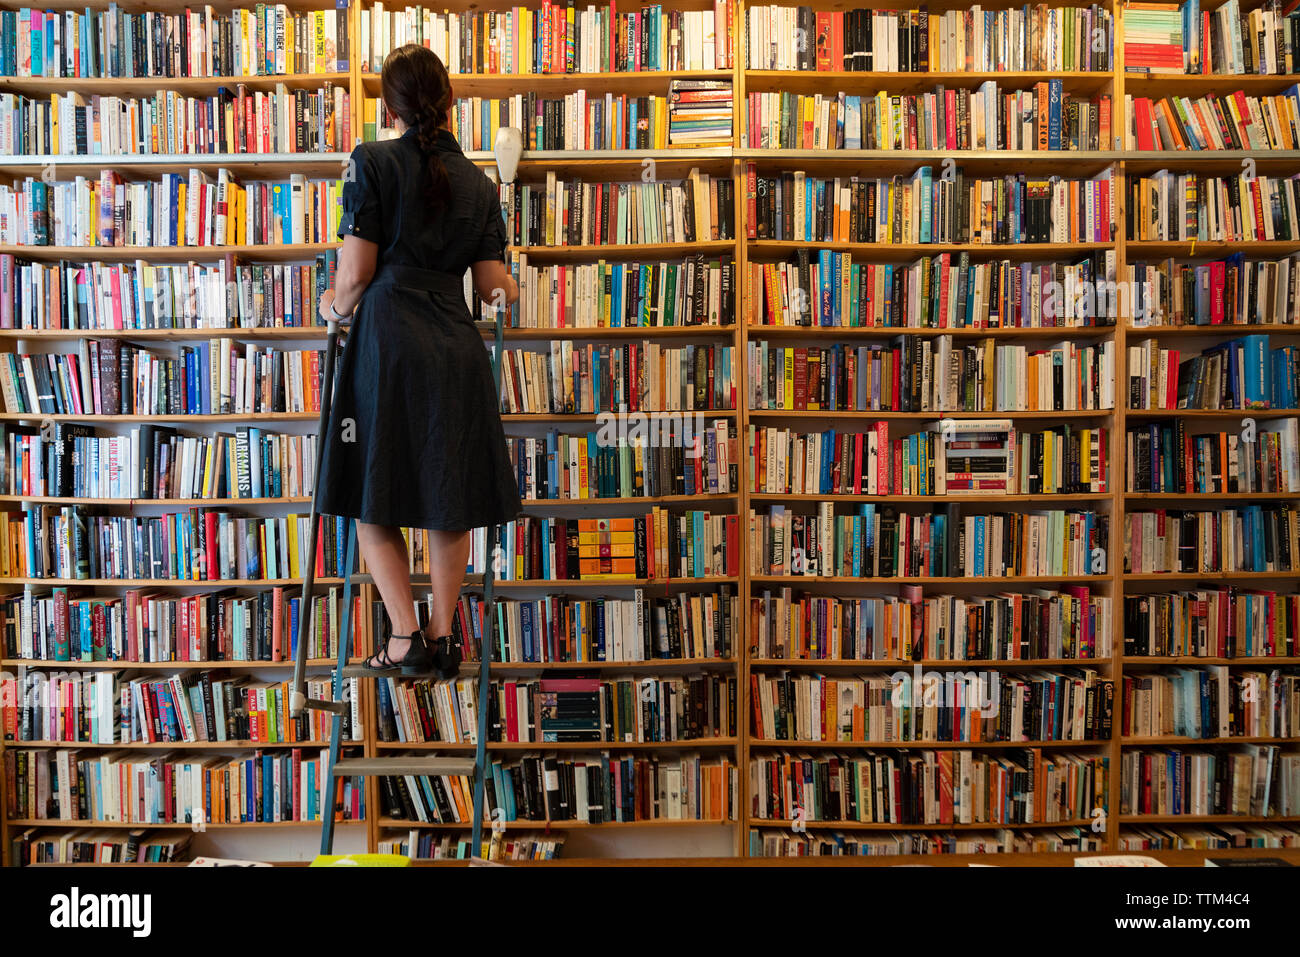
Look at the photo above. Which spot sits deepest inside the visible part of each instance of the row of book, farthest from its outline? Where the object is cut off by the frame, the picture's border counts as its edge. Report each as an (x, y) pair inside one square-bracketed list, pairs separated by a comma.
[(558, 212), (265, 39), (658, 545), (598, 465), (109, 377), (1246, 373), (881, 542), (1163, 457), (985, 118), (1074, 705), (574, 377), (1183, 38), (148, 626), (1028, 38), (1255, 780), (683, 626), (700, 113), (1168, 207), (1213, 622), (923, 208), (142, 295), (597, 788), (569, 709), (176, 210), (1218, 837), (1210, 702), (155, 462), (97, 847), (129, 787), (421, 844), (170, 123), (942, 291), (612, 295), (944, 458), (1225, 122), (1220, 292), (556, 38), (198, 544), (929, 787), (768, 842), (581, 120), (924, 374), (1238, 538), (103, 708), (912, 626)]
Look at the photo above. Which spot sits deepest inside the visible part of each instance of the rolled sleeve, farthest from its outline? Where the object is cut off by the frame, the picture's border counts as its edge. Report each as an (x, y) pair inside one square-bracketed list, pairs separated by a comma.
[(492, 242), (361, 209)]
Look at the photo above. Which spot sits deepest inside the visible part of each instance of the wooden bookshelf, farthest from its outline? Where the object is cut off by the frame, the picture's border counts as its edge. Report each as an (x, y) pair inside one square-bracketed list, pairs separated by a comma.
[(726, 162)]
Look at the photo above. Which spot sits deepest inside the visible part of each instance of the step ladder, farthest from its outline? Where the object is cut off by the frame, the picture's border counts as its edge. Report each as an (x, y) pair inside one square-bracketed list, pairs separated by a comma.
[(476, 769)]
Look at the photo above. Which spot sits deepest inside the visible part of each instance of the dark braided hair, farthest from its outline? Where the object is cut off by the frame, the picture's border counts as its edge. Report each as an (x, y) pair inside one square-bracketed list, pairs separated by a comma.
[(416, 88)]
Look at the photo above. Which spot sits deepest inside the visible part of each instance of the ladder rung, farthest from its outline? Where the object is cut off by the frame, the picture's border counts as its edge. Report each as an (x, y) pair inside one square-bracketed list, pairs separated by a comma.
[(324, 704), (404, 765), (487, 325)]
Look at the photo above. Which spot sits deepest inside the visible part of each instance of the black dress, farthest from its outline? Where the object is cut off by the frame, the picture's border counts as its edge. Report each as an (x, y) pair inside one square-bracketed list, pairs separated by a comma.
[(415, 436)]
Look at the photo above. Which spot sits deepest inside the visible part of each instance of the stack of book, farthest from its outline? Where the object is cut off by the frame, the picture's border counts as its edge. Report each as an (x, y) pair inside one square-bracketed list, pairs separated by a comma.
[(568, 709), (699, 113), (1153, 39)]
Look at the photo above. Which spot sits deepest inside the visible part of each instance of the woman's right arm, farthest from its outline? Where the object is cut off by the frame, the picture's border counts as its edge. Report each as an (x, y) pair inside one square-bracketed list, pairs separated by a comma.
[(493, 282)]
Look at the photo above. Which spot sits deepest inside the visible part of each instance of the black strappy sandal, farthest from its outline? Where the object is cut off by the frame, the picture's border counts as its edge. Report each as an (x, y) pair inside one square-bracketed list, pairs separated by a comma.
[(446, 656), (416, 662)]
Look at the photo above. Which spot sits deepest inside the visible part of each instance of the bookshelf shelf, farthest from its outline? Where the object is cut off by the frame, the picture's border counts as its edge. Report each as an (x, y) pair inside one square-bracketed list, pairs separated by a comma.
[(1211, 576), (252, 165), (396, 822), (625, 251), (624, 332), (138, 502), (288, 252), (164, 665), (1147, 249), (1131, 741), (653, 664), (1159, 661), (631, 82), (890, 332), (927, 580), (188, 85), (1193, 497), (888, 162), (145, 335), (184, 745), (588, 418), (1223, 329), (970, 498), (766, 249), (830, 825), (177, 825), (869, 82), (908, 745), (815, 664), (548, 503), (212, 419), (166, 582), (1205, 819), (1212, 413), (882, 414), (686, 744)]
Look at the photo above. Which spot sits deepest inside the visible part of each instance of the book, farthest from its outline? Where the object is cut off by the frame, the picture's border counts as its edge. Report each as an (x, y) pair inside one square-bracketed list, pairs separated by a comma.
[(1239, 538)]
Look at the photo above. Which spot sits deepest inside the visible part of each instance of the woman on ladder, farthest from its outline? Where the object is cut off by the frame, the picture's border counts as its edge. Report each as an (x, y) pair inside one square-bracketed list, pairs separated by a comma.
[(415, 437)]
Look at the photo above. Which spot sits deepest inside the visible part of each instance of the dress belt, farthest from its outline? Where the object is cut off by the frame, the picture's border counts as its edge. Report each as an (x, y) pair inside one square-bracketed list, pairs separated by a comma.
[(432, 280)]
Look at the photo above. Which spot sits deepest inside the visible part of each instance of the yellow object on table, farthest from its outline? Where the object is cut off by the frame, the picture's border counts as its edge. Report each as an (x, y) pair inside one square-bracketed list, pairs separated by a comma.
[(361, 860)]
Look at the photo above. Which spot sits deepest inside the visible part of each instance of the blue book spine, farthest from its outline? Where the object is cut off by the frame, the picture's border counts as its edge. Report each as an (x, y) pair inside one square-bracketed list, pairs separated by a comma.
[(1254, 371), (1054, 92), (835, 316), (939, 546), (857, 546), (979, 545), (927, 179), (526, 626)]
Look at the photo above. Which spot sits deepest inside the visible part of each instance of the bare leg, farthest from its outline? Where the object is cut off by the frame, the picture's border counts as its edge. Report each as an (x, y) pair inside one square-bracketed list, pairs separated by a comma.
[(384, 550), (448, 556)]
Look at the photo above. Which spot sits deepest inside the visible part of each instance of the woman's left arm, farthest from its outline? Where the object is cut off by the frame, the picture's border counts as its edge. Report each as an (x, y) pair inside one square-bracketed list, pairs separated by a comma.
[(356, 267)]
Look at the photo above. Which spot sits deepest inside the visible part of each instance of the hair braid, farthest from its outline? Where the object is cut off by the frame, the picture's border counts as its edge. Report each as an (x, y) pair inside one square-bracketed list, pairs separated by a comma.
[(417, 89)]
